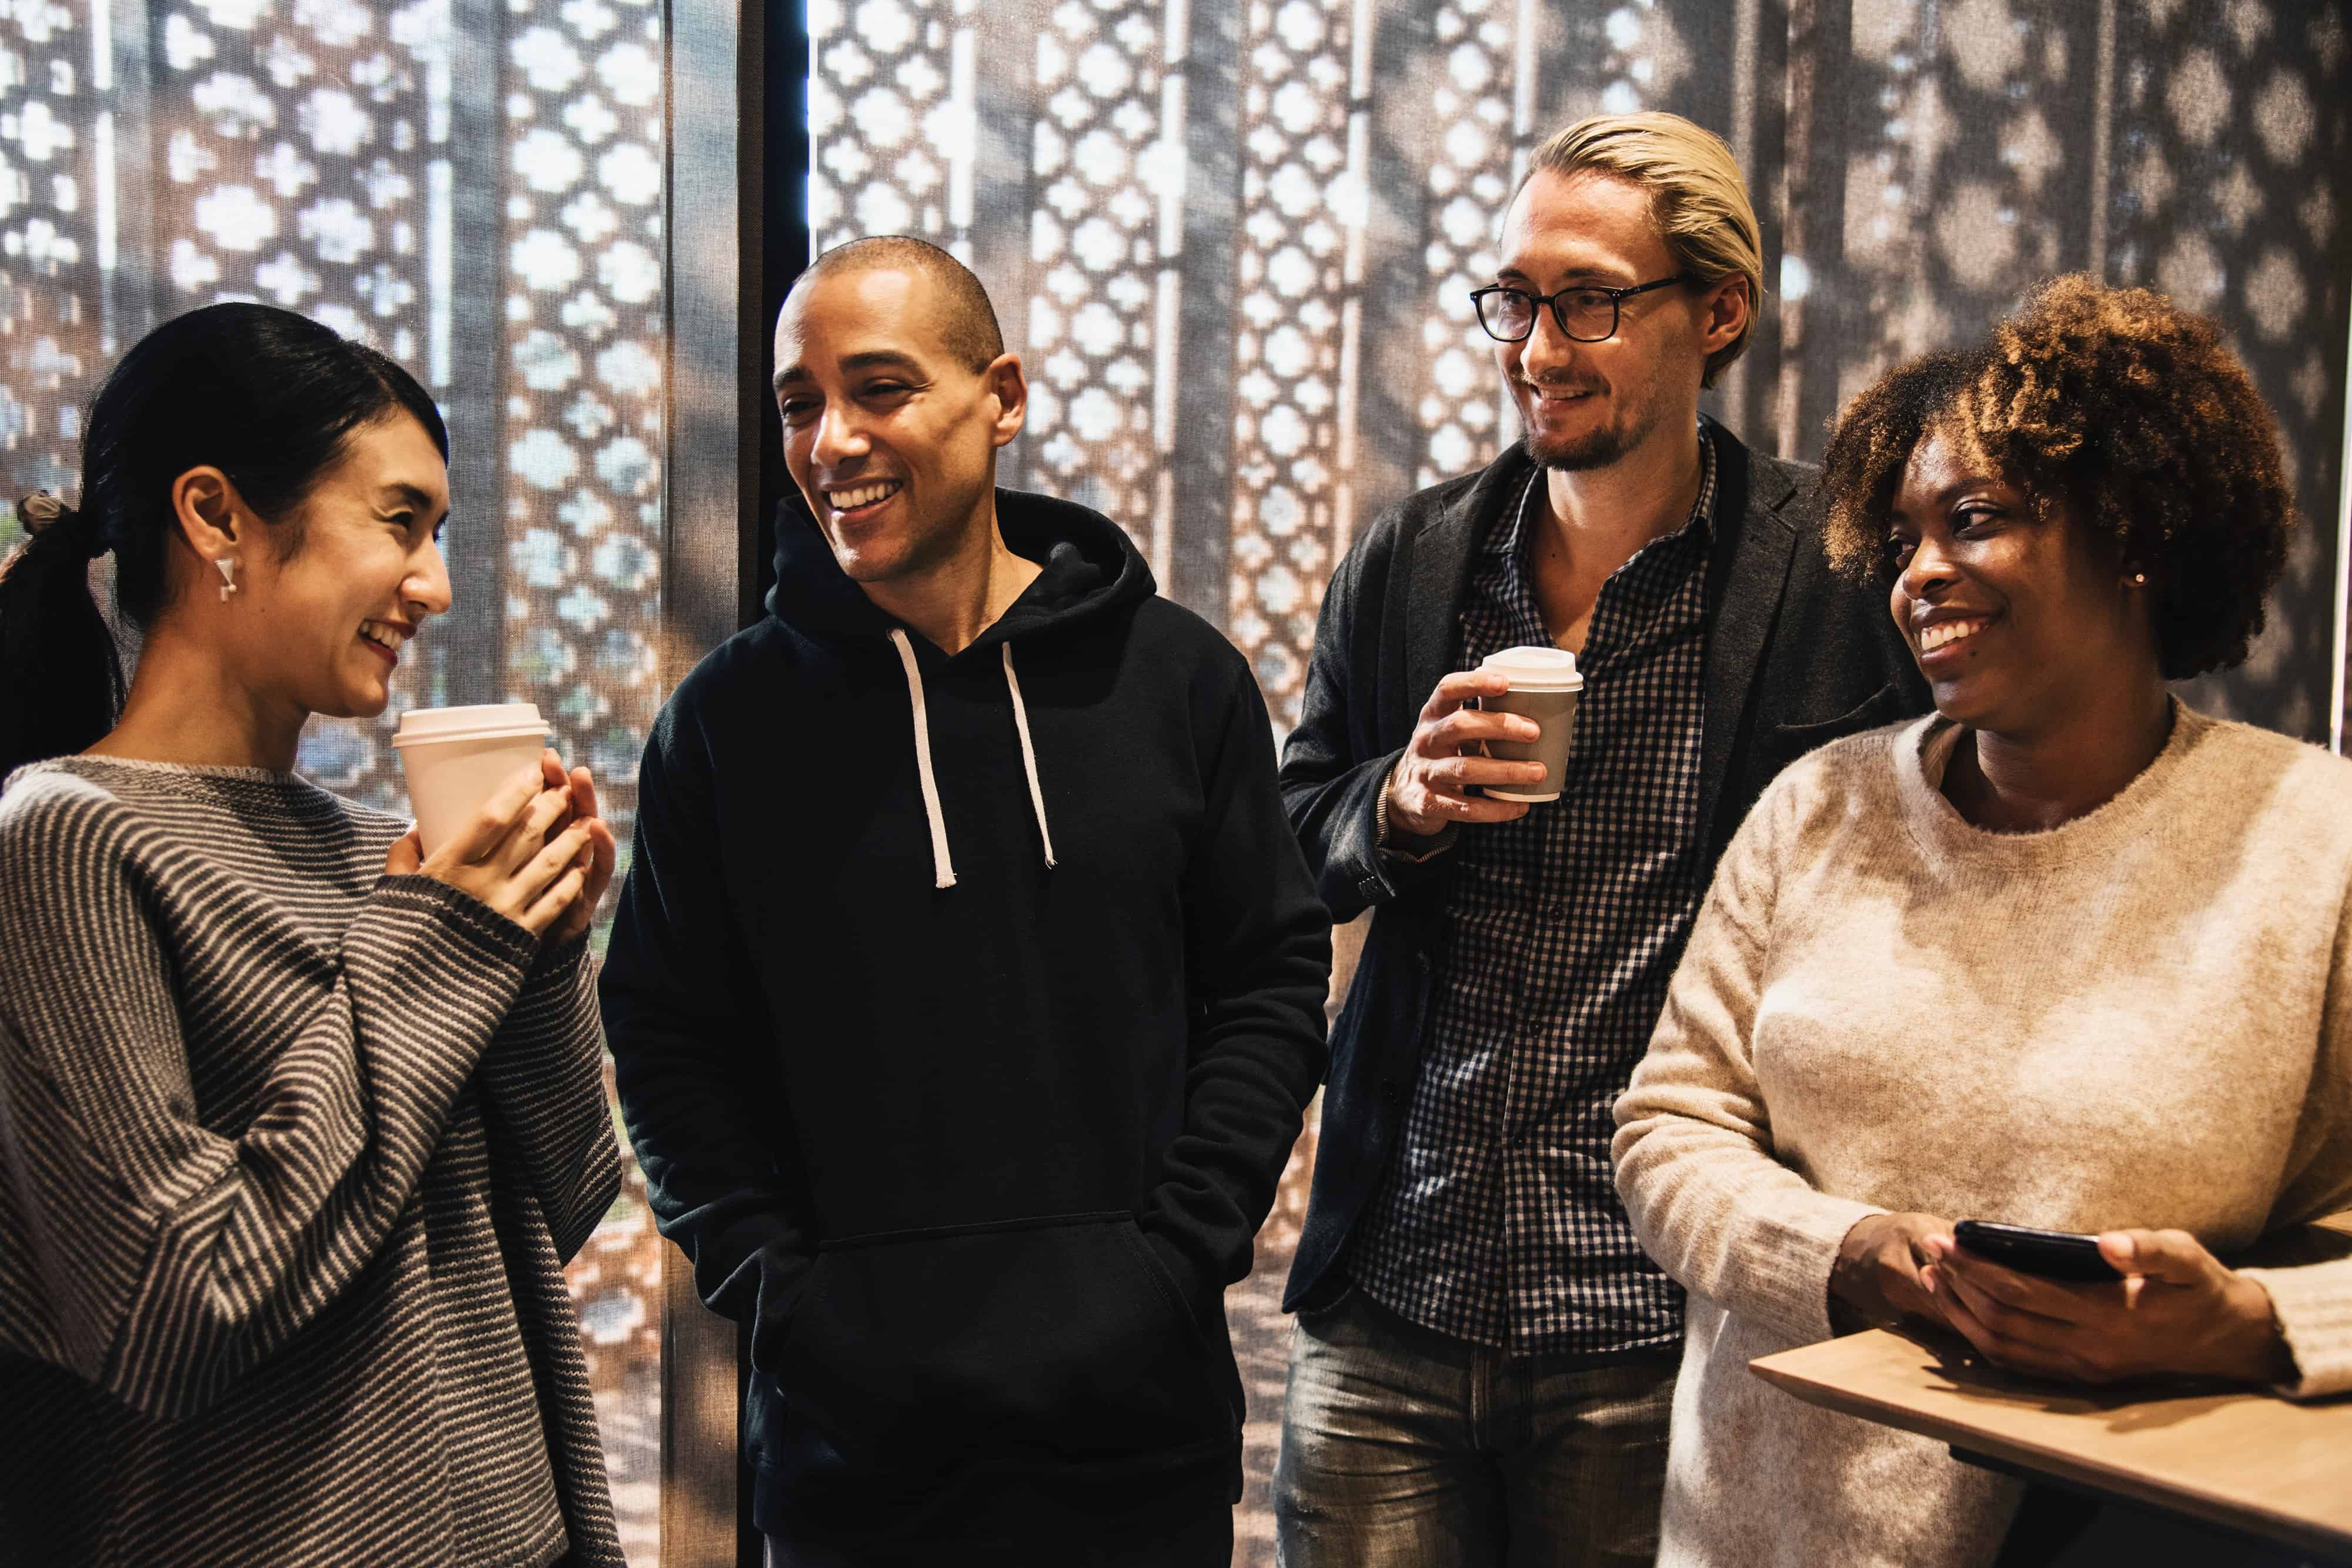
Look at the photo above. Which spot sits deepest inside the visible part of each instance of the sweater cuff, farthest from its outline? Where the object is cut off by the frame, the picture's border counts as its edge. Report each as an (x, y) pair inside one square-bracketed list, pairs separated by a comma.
[(1788, 1265), (476, 923), (2314, 1308), (556, 958)]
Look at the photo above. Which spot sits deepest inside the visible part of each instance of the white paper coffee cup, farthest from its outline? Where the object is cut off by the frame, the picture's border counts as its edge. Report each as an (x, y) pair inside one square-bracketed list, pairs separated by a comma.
[(1545, 686), (456, 759)]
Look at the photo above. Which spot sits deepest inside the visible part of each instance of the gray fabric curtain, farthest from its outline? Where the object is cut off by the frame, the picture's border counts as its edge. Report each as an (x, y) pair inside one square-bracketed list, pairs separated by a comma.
[(1234, 245), (475, 188)]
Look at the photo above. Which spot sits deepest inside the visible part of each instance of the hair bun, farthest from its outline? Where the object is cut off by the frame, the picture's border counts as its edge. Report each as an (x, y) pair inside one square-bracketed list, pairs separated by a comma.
[(42, 513)]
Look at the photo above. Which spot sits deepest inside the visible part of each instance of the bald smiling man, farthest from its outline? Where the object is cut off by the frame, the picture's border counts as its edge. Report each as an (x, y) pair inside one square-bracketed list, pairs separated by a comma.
[(967, 985)]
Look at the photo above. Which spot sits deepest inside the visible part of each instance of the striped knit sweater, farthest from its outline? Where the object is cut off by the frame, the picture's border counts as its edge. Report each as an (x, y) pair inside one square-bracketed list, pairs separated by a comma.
[(291, 1155)]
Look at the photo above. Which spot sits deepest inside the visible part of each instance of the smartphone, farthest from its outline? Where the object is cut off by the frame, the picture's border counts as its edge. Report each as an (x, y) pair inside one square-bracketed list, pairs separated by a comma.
[(2051, 1254)]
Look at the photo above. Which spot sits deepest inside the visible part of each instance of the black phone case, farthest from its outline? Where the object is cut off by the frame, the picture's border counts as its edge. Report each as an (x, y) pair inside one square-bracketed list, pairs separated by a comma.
[(2050, 1254)]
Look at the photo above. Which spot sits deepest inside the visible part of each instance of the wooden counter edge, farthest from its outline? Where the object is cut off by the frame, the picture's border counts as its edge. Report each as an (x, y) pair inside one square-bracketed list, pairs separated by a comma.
[(2059, 1464)]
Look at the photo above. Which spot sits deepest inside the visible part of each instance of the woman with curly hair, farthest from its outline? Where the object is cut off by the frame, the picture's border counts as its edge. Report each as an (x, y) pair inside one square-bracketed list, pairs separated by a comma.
[(2063, 954)]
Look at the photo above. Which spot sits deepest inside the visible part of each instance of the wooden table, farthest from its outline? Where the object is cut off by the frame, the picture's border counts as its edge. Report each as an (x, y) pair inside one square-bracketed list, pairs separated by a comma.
[(2245, 1460)]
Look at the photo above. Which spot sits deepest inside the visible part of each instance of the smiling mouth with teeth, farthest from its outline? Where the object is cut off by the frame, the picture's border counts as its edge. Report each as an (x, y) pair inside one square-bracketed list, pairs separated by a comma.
[(382, 636), (1555, 394), (1944, 632), (864, 496)]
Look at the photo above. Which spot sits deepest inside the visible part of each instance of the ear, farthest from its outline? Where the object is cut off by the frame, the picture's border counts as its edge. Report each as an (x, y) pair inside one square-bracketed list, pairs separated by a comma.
[(1725, 312), (211, 515), (1009, 385)]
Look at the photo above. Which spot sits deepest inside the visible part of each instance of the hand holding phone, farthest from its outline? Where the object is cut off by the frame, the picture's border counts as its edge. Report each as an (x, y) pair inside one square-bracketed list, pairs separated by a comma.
[(2047, 1254), (2180, 1313)]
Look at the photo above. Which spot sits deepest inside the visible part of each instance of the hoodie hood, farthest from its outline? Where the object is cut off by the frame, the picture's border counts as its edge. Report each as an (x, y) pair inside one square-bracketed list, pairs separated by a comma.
[(1089, 567), (1089, 570)]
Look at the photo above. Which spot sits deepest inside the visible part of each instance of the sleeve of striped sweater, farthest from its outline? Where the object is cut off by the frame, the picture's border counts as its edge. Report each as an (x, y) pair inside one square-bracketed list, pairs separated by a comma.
[(544, 1078), (2313, 1304), (172, 1257), (1694, 1144)]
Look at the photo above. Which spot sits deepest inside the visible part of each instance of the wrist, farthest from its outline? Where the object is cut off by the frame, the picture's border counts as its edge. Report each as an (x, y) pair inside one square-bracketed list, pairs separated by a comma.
[(1862, 1273), (2254, 1348), (1859, 1242), (1849, 1274)]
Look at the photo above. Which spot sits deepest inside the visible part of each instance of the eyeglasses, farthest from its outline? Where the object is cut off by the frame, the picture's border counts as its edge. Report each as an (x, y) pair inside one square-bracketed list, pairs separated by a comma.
[(1586, 313)]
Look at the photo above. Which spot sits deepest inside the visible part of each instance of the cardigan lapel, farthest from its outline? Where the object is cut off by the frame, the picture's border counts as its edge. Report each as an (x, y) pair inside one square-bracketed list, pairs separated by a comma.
[(1747, 571), (1440, 575)]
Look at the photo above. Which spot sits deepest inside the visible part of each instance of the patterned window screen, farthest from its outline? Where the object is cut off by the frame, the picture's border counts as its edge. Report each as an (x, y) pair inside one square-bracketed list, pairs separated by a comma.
[(1235, 242), (477, 189)]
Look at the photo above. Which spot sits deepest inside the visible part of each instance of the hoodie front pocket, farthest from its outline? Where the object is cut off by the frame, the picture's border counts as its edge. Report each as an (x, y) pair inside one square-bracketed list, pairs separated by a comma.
[(1049, 1340)]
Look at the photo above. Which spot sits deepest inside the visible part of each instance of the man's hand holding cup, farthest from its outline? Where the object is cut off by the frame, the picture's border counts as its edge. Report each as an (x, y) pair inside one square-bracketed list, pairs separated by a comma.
[(1429, 787)]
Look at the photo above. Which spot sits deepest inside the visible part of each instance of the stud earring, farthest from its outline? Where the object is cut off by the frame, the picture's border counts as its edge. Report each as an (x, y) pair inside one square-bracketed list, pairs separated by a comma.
[(2139, 579), (228, 568)]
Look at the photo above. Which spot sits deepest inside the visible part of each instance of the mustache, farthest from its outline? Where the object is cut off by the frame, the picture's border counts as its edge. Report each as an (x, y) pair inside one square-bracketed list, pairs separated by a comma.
[(1550, 388)]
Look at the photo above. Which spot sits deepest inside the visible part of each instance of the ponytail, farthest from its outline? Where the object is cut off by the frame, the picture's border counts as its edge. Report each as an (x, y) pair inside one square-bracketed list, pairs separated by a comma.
[(61, 674), (267, 396)]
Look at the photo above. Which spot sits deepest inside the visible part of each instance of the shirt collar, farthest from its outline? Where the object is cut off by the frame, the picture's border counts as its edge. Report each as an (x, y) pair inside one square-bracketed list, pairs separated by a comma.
[(1700, 524)]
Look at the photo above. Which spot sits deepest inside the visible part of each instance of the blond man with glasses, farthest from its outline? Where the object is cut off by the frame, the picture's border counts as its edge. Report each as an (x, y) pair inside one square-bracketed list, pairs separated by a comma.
[(1485, 1359)]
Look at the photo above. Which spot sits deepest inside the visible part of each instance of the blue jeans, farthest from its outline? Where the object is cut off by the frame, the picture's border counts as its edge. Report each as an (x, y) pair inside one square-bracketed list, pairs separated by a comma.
[(1402, 1448)]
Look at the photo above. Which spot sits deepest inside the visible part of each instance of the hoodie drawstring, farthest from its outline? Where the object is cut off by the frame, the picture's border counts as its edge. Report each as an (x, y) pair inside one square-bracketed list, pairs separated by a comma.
[(943, 867), (1028, 755)]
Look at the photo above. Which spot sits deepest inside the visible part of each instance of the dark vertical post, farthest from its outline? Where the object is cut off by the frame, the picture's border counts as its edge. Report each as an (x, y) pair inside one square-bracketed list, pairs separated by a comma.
[(1204, 477), (780, 187), (474, 400), (735, 233)]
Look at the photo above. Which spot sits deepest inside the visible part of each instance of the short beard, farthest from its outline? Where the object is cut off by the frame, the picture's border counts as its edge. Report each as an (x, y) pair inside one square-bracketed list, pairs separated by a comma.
[(1596, 450)]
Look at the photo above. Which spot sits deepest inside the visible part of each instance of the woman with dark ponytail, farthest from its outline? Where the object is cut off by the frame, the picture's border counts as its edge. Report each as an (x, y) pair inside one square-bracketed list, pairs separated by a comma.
[(298, 1124), (60, 678)]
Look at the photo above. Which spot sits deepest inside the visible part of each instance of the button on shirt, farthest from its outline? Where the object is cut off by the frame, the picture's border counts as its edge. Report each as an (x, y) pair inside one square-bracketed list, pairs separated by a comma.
[(1498, 1221)]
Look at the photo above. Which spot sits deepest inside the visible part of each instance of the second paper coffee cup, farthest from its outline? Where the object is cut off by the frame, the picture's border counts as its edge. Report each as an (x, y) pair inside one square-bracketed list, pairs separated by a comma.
[(1545, 685), (456, 758)]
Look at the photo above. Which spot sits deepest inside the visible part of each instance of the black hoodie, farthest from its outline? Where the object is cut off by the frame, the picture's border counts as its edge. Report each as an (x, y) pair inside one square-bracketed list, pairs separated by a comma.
[(964, 1009)]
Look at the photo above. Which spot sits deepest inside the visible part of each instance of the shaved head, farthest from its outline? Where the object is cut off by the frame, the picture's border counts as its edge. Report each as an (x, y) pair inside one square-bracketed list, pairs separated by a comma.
[(966, 320)]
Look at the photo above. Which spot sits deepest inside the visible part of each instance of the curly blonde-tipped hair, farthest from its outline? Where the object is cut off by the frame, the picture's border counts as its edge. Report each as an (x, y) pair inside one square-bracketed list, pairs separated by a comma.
[(2115, 408), (1697, 198)]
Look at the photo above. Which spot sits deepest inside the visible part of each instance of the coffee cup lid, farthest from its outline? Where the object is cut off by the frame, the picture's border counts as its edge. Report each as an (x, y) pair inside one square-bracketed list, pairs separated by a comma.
[(488, 721), (1536, 669)]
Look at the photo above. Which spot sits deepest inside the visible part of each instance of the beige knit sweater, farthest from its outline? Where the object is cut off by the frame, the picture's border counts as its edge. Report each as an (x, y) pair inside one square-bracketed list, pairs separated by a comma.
[(2143, 1018)]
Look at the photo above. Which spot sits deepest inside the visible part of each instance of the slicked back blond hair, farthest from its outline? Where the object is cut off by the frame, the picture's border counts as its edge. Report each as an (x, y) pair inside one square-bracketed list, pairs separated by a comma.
[(1697, 197)]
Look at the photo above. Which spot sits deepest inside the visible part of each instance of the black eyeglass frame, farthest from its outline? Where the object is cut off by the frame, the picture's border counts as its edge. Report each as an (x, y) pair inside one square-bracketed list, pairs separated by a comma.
[(1536, 302)]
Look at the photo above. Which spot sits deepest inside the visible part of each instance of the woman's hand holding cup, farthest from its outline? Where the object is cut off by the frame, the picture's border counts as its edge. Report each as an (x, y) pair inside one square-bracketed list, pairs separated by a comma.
[(597, 858), (529, 853), (1428, 787)]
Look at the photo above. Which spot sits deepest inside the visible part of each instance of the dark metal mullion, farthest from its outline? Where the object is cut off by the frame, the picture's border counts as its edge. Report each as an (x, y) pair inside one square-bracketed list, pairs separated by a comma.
[(734, 235), (1202, 476), (473, 402), (1392, 364), (775, 99), (128, 302), (1004, 194)]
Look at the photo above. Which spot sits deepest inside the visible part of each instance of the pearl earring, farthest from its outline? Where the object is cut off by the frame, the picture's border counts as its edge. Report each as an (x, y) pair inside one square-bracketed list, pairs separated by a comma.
[(2139, 579), (227, 567)]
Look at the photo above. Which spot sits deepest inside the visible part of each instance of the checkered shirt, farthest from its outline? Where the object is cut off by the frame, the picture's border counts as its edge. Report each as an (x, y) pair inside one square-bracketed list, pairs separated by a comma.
[(1498, 1221)]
